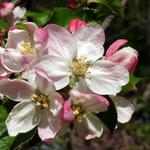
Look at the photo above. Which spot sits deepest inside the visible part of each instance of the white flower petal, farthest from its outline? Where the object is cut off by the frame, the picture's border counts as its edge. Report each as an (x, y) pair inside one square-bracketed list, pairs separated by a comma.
[(56, 68), (56, 102), (13, 60), (16, 36), (17, 90), (19, 12), (124, 109), (81, 86), (43, 82), (61, 42), (49, 126), (106, 78), (23, 118), (88, 51), (93, 34), (90, 128)]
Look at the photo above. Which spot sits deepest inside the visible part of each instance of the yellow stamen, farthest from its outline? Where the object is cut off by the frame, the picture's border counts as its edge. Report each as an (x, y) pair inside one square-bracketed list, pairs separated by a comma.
[(80, 67), (40, 100), (27, 48), (78, 113)]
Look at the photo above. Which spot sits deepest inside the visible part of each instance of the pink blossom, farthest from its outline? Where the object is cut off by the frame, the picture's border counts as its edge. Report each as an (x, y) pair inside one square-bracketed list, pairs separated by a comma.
[(38, 106), (77, 60), (81, 109), (127, 56), (23, 46), (75, 24), (6, 9)]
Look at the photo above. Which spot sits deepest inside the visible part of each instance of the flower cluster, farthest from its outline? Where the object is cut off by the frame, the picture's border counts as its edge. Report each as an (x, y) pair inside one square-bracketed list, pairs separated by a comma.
[(63, 77), (11, 13)]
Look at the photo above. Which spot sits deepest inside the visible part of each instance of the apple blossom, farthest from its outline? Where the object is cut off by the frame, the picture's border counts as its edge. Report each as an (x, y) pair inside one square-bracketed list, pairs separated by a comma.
[(76, 60), (75, 24), (127, 56), (39, 106), (23, 46), (81, 109), (12, 14), (6, 9)]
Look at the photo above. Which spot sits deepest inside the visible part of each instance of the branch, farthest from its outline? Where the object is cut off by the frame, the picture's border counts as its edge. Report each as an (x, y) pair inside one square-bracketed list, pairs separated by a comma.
[(106, 23)]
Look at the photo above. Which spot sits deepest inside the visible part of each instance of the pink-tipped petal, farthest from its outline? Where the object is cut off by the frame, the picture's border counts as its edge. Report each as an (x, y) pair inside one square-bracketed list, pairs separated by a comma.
[(127, 57), (95, 103), (91, 33), (41, 36), (106, 78), (67, 112), (13, 60), (91, 102), (114, 47), (6, 9), (75, 24), (61, 42), (17, 90), (48, 126)]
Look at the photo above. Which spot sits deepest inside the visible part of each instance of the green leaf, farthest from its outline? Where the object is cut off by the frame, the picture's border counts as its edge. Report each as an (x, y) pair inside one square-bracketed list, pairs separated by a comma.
[(3, 116), (61, 16), (133, 81), (109, 117), (6, 142), (20, 25), (3, 24), (40, 18), (114, 5), (23, 138)]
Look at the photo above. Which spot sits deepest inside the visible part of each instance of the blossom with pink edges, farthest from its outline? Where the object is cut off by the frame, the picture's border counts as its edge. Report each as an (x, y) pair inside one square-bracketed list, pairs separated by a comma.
[(81, 109), (6, 9), (77, 60), (38, 106), (23, 46), (127, 56)]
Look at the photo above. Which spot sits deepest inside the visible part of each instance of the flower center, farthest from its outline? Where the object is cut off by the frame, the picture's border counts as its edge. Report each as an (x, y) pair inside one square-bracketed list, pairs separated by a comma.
[(40, 100), (27, 48), (77, 111), (79, 67)]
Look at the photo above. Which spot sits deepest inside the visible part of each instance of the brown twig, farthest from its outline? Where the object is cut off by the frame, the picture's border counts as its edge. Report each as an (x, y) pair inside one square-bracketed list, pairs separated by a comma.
[(106, 23)]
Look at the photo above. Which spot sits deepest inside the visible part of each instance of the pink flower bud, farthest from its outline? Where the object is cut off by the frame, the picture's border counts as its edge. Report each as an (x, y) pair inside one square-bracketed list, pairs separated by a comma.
[(72, 4), (127, 57), (6, 9), (75, 24), (114, 47)]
